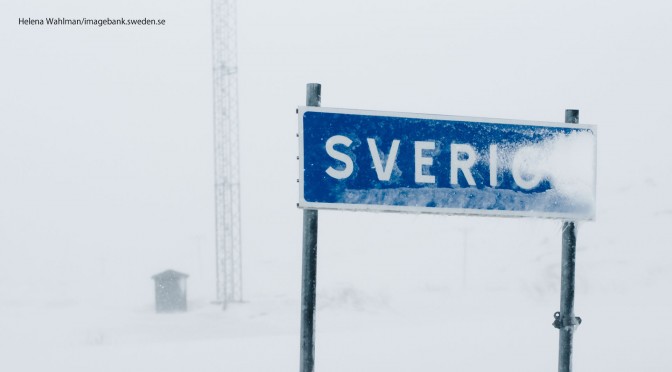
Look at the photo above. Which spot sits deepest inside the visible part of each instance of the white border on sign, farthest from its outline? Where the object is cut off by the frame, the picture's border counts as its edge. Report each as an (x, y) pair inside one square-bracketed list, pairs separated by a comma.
[(439, 210)]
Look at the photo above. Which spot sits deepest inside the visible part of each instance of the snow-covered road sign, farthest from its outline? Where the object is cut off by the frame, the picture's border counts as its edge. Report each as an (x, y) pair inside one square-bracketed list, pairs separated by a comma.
[(385, 161)]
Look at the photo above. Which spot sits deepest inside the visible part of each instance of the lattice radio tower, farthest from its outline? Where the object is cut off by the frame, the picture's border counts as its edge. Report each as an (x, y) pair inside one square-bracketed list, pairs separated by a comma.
[(227, 163)]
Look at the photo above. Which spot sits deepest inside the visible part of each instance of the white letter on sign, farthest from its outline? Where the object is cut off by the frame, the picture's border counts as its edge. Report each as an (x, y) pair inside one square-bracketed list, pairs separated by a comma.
[(347, 171), (383, 173), (524, 162), (493, 166), (420, 160), (464, 164)]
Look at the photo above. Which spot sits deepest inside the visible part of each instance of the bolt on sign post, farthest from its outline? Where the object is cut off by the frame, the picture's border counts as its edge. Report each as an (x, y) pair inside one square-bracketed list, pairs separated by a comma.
[(416, 163)]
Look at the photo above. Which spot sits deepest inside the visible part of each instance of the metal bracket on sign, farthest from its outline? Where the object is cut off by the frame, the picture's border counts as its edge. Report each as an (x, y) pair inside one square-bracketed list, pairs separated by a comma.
[(564, 322)]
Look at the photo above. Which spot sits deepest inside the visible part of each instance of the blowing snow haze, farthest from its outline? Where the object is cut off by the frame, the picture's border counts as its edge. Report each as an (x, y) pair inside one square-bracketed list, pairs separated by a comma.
[(106, 178)]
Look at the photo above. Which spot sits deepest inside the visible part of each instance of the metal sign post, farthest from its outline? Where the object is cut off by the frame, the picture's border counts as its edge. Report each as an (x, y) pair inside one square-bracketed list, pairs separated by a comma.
[(565, 320), (309, 274)]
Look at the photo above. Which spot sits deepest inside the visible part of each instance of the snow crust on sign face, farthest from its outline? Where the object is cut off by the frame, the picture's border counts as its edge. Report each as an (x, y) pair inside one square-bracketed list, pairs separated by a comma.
[(567, 161), (472, 198)]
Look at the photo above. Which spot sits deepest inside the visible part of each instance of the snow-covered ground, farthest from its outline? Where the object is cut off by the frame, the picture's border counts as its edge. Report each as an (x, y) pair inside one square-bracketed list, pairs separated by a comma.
[(106, 179)]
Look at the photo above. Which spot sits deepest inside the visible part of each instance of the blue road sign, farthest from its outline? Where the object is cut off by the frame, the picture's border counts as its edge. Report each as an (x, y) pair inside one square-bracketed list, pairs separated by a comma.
[(383, 161)]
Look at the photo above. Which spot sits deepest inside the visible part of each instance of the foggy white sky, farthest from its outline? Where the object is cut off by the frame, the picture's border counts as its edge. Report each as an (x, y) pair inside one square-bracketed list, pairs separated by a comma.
[(106, 169)]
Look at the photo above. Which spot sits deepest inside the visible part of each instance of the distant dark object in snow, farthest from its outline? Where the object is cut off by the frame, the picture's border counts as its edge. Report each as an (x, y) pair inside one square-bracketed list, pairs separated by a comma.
[(170, 288)]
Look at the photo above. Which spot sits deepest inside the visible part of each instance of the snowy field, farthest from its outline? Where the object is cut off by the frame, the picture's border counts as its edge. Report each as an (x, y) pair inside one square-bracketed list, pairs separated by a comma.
[(106, 178)]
